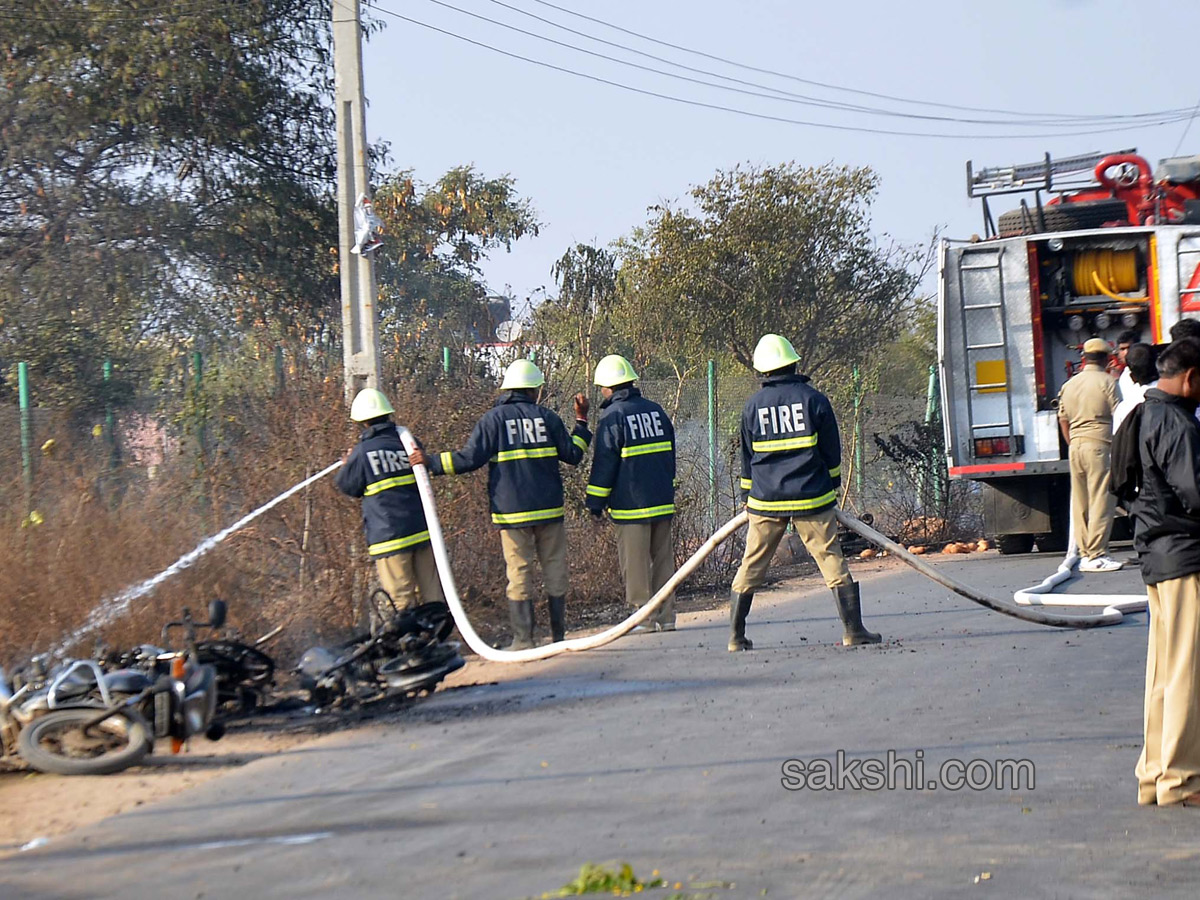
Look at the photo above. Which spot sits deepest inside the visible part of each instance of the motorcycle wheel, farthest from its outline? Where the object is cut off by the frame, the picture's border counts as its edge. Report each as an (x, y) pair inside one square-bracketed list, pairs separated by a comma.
[(56, 742)]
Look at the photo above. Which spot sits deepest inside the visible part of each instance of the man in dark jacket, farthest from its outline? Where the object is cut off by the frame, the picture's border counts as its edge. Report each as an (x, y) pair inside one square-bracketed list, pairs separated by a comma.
[(1167, 538), (523, 443), (633, 474), (379, 470), (791, 469)]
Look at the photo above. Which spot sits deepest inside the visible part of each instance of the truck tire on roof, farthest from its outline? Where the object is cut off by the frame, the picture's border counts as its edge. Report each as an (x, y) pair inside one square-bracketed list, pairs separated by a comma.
[(1063, 217)]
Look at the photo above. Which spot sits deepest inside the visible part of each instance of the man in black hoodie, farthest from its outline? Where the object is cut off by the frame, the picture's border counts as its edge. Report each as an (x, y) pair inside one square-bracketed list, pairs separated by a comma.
[(1167, 538)]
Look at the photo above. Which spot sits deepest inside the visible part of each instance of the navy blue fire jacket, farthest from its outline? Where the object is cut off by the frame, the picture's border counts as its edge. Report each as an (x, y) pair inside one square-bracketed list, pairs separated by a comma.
[(791, 450), (523, 443), (378, 471), (633, 462)]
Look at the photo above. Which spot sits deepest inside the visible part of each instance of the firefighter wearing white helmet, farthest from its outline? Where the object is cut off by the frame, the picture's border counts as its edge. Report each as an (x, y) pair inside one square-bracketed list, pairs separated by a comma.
[(791, 470), (379, 471), (633, 475), (522, 443)]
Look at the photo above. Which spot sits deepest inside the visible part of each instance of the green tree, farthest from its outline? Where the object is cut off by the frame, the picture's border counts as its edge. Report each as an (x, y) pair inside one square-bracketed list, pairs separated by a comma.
[(165, 172), (782, 249), (576, 319), (435, 239)]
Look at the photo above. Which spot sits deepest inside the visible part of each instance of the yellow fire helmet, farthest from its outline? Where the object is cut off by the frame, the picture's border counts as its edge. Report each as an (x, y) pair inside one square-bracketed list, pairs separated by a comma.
[(370, 404), (522, 374), (774, 352), (614, 369)]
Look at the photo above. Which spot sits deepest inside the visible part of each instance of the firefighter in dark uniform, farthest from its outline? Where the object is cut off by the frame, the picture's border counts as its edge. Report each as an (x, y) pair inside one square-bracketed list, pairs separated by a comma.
[(633, 474), (523, 443), (380, 471), (791, 469)]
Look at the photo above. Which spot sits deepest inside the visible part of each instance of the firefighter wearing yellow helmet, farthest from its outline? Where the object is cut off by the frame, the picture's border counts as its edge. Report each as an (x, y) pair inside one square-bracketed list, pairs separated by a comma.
[(379, 471), (791, 470), (522, 443), (633, 476)]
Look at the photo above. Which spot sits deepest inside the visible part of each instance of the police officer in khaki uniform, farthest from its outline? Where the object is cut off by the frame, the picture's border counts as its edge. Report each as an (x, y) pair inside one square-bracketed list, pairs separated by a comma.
[(1086, 405), (522, 443), (791, 469), (379, 471), (633, 475)]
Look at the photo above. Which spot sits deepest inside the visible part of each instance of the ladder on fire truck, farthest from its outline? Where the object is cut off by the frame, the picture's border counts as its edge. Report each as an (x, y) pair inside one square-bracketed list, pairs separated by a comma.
[(988, 263)]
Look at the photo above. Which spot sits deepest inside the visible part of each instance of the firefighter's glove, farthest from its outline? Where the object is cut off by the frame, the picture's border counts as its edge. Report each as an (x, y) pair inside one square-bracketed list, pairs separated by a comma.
[(581, 408)]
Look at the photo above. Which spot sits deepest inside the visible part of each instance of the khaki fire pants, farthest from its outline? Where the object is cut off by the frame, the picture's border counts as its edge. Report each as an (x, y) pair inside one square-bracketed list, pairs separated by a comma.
[(1091, 503), (409, 574), (817, 532), (647, 557), (544, 544), (1169, 768)]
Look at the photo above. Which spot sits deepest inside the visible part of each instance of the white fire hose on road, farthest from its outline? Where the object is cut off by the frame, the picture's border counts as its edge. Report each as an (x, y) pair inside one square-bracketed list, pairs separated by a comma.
[(1038, 594), (591, 641), (1111, 615)]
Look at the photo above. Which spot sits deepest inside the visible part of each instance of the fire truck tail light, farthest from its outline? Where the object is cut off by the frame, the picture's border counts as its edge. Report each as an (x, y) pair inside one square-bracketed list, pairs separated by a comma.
[(1000, 446)]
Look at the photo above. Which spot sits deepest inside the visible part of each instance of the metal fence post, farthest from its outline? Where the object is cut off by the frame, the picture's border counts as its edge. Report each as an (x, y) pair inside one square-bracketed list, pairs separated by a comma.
[(198, 374), (932, 403), (858, 451), (110, 419), (445, 360), (279, 379), (712, 441), (26, 427)]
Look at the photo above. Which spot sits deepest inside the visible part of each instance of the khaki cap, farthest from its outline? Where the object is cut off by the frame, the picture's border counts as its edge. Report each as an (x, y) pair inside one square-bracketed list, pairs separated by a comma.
[(1096, 345)]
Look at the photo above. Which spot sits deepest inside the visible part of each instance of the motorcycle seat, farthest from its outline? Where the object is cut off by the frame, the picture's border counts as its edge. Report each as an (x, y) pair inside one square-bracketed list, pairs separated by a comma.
[(127, 681)]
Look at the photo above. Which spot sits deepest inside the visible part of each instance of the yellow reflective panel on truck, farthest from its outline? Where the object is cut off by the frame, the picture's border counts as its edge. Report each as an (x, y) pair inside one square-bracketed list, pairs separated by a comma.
[(991, 377)]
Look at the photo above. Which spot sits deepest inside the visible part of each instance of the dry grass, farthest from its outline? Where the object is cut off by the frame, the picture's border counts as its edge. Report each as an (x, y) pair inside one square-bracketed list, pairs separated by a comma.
[(302, 565)]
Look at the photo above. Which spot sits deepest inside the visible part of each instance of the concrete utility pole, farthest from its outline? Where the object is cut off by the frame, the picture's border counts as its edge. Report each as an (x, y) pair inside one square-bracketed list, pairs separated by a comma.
[(359, 315)]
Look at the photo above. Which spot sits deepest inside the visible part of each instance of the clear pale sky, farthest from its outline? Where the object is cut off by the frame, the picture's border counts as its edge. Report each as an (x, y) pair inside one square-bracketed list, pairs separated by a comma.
[(592, 157)]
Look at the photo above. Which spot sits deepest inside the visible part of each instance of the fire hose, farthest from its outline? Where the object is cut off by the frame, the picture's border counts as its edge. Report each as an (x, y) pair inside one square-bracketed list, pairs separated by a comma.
[(1110, 616)]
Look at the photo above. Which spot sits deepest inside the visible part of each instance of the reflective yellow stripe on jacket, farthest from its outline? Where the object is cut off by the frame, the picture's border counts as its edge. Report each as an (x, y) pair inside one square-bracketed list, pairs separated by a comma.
[(796, 443), (791, 506), (643, 449), (398, 544), (579, 442), (398, 481), (534, 453), (649, 512), (527, 518), (594, 491), (447, 463)]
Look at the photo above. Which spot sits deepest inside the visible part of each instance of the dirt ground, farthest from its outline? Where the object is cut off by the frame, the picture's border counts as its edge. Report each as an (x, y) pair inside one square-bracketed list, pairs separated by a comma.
[(38, 806)]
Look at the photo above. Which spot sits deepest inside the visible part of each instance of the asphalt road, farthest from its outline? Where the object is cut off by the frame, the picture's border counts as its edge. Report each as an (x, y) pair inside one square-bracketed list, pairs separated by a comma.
[(667, 752)]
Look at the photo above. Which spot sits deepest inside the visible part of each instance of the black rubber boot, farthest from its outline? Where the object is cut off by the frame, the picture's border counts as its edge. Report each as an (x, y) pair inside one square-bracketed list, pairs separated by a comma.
[(520, 615), (849, 609), (558, 618), (739, 608)]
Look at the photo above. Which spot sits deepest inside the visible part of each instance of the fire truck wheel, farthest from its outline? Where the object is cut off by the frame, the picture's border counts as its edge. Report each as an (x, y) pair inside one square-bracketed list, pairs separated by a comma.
[(1063, 217), (1008, 544)]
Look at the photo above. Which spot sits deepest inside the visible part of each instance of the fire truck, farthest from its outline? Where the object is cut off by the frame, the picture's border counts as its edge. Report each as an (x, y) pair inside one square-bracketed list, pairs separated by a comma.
[(1098, 244)]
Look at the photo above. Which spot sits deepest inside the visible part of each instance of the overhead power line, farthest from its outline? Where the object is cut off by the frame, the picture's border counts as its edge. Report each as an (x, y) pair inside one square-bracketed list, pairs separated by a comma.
[(744, 112), (1031, 120), (842, 88), (806, 101)]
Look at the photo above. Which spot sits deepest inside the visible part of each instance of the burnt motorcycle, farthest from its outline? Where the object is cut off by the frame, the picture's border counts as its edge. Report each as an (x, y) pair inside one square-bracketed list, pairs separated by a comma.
[(79, 719), (403, 652)]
